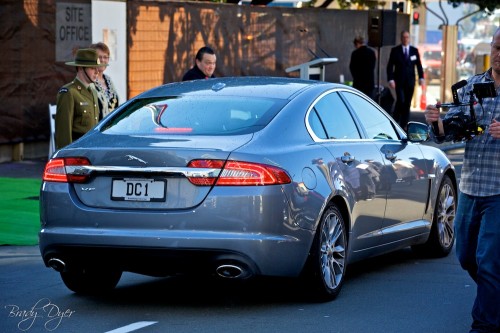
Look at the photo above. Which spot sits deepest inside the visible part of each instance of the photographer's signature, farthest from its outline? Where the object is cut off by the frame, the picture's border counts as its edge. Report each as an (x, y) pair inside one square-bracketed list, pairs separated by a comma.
[(42, 311)]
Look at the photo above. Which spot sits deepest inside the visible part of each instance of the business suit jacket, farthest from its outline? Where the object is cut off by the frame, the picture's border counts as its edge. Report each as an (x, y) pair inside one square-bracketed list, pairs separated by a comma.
[(401, 70), (362, 67)]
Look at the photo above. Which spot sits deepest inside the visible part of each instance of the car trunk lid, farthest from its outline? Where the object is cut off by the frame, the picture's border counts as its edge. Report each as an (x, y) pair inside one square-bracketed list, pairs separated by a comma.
[(149, 173)]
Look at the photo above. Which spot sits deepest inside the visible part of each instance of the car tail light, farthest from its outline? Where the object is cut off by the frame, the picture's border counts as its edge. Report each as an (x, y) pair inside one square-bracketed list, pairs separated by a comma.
[(56, 170), (173, 130), (237, 173)]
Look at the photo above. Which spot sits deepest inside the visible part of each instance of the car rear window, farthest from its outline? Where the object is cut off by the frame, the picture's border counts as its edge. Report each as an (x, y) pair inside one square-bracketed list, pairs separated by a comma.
[(195, 115)]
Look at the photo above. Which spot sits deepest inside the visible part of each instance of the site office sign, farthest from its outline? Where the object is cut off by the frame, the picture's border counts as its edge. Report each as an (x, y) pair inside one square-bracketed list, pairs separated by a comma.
[(73, 28)]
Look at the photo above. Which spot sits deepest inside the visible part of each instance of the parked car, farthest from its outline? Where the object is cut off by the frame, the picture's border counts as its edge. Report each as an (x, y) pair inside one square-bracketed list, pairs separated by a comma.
[(431, 61), (242, 177)]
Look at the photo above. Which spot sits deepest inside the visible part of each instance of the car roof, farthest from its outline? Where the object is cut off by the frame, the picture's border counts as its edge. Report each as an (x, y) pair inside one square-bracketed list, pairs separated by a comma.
[(272, 87)]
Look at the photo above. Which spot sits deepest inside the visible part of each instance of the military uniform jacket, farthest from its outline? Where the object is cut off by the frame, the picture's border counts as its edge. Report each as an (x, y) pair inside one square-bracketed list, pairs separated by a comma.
[(77, 112)]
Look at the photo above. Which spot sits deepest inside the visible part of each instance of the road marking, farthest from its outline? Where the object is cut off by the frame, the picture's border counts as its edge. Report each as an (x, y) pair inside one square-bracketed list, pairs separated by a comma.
[(132, 327)]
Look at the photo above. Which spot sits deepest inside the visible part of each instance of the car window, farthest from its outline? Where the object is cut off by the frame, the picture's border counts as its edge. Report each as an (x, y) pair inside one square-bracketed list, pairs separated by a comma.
[(330, 119), (198, 115), (376, 124)]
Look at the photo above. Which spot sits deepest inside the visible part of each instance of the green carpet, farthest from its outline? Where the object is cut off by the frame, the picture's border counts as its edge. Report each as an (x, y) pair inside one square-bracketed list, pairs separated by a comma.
[(19, 211)]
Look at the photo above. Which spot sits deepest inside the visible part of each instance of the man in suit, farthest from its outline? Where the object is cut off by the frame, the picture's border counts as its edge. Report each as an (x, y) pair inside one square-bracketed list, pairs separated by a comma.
[(403, 60), (362, 67)]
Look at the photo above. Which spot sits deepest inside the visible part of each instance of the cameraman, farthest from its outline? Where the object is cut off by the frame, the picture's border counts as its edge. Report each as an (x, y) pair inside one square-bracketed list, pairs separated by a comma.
[(477, 223)]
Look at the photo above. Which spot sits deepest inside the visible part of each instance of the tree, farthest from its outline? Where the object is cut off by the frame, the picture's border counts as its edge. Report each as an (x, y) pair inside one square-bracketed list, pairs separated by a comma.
[(484, 5), (488, 5)]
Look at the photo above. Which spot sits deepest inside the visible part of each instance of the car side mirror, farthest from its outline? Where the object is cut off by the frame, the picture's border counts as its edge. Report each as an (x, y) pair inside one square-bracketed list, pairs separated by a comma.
[(417, 132)]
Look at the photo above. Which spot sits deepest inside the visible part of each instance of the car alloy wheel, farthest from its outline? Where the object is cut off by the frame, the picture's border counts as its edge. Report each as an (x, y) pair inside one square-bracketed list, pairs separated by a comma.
[(442, 235), (328, 264), (445, 214)]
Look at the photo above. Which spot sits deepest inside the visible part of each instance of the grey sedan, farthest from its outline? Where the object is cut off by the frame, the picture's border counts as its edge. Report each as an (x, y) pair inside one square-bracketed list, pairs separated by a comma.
[(242, 177)]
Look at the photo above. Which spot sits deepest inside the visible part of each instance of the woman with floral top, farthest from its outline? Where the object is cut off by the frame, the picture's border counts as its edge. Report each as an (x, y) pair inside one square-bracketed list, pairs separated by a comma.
[(108, 97)]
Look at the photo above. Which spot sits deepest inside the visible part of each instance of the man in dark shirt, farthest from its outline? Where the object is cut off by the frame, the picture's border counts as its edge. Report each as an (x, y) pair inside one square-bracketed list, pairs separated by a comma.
[(204, 65), (362, 67)]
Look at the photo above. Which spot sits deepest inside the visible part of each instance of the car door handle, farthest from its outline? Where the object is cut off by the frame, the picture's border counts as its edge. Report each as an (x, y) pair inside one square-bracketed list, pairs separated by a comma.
[(347, 158), (390, 156)]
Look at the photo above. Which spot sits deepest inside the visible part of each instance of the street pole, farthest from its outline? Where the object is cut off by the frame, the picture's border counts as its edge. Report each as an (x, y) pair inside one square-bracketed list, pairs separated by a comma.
[(449, 61)]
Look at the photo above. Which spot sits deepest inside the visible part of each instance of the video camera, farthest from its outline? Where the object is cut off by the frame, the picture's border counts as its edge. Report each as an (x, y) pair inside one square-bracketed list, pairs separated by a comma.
[(462, 126)]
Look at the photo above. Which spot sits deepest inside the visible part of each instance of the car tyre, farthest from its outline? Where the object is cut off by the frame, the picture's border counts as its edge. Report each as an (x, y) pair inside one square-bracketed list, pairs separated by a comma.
[(327, 263), (91, 280), (442, 235)]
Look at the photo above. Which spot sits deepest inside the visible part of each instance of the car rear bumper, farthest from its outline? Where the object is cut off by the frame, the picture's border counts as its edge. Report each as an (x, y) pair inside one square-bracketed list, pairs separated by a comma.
[(162, 253)]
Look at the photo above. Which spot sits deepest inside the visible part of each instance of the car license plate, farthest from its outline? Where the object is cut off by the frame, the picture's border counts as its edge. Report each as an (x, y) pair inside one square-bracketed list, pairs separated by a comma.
[(134, 189)]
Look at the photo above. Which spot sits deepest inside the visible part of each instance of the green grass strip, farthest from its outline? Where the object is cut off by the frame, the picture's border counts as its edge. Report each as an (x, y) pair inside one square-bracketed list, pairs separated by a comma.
[(19, 211)]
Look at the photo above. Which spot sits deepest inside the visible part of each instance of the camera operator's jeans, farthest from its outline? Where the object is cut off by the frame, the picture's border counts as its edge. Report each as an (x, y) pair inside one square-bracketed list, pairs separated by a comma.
[(477, 225)]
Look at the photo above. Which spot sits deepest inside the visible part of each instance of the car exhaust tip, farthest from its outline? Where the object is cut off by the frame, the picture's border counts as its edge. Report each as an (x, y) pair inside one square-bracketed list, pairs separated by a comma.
[(230, 271), (57, 264)]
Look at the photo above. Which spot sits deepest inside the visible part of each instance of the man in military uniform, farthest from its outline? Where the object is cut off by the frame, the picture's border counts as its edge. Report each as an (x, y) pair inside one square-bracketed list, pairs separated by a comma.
[(77, 102)]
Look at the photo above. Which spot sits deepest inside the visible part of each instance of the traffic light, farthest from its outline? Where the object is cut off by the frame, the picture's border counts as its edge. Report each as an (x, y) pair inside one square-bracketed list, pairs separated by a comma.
[(416, 18)]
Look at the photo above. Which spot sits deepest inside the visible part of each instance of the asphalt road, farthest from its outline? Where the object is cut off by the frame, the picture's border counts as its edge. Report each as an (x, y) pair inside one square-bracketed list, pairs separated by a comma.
[(397, 293)]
